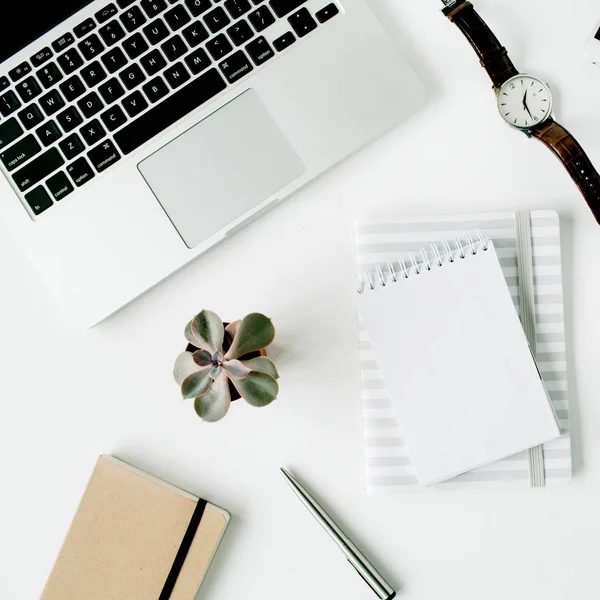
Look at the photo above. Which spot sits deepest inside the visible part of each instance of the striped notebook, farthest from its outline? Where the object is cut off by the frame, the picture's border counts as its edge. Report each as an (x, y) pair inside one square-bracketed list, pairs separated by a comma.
[(528, 246)]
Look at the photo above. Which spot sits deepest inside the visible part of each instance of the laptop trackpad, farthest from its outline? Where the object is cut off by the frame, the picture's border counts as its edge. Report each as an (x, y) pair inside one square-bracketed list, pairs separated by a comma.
[(221, 168)]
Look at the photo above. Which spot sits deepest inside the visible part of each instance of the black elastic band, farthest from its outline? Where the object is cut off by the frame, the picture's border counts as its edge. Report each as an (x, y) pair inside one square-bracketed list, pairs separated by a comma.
[(182, 553)]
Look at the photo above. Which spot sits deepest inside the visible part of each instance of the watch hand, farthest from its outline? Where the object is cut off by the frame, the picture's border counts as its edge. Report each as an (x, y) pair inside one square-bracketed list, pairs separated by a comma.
[(525, 104)]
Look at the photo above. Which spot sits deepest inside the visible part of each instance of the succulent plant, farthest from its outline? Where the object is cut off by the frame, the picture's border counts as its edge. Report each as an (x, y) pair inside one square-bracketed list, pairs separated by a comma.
[(225, 357)]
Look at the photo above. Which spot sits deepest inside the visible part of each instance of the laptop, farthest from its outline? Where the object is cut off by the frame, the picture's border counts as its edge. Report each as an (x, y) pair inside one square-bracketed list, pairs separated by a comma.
[(136, 134)]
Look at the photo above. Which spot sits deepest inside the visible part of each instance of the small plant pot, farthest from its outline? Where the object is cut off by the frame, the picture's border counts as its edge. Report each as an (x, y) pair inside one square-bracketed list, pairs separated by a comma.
[(235, 395)]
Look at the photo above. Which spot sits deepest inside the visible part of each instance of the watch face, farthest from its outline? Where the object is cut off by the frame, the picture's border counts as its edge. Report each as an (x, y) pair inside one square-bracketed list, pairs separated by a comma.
[(524, 101)]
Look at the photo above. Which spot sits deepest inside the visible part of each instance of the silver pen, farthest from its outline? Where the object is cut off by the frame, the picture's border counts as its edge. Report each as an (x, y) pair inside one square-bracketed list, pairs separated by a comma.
[(354, 556)]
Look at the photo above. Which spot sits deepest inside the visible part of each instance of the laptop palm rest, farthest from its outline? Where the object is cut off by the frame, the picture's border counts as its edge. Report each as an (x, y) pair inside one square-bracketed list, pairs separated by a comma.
[(221, 168)]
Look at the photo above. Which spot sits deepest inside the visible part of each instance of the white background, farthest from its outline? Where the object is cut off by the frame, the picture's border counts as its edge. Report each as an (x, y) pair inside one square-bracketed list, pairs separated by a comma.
[(68, 395)]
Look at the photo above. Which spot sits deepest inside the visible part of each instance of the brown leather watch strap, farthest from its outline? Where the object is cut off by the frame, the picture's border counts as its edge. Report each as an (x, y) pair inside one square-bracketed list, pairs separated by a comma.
[(571, 154), (492, 55)]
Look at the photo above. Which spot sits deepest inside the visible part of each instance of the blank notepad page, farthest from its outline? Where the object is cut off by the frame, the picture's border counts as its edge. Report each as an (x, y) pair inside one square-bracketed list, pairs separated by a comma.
[(457, 365)]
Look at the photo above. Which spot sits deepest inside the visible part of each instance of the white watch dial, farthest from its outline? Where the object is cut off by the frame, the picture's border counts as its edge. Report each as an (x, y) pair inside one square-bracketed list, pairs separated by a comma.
[(524, 101)]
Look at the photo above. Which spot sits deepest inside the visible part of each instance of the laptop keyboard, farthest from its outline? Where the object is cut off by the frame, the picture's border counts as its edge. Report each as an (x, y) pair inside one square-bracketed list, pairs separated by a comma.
[(119, 79)]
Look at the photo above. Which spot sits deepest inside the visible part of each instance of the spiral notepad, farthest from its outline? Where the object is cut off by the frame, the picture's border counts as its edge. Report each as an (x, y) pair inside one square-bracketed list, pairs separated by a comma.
[(534, 278), (454, 357)]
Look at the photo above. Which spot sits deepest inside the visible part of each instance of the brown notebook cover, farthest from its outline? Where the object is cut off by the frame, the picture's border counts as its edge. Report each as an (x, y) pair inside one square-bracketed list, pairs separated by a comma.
[(129, 537)]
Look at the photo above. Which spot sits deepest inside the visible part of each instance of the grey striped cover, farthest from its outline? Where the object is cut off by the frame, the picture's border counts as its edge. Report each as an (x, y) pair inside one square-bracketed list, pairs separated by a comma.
[(388, 465)]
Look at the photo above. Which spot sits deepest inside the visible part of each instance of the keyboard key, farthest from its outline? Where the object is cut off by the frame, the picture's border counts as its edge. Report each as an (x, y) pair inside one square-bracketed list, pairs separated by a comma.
[(132, 76), (155, 89), (70, 61), (93, 74), (236, 66), (44, 55), (219, 46), (260, 51), (240, 33), (90, 105), (38, 200), (124, 3), (72, 88), (9, 131), (20, 152), (174, 48), (71, 146), (195, 34), (153, 62), (91, 47), (19, 71), (113, 118), (28, 89), (4, 83), (284, 41), (111, 90), (302, 23), (153, 7), (177, 17), (135, 45), (80, 171), (114, 60), (103, 156), (31, 116), (134, 104), (92, 132), (197, 7), (69, 119), (110, 10), (176, 75), (327, 13), (261, 18), (49, 75), (84, 28), (237, 8), (169, 111), (216, 19), (133, 18), (156, 32), (59, 186), (38, 169), (63, 42), (284, 7), (197, 61), (48, 133), (51, 102), (112, 33)]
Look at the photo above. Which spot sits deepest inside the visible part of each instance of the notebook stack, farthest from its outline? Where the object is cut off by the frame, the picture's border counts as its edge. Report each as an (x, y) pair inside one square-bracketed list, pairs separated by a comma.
[(462, 351)]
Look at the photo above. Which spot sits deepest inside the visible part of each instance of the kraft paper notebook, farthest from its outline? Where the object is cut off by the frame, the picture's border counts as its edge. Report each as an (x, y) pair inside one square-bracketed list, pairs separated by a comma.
[(135, 537), (536, 275)]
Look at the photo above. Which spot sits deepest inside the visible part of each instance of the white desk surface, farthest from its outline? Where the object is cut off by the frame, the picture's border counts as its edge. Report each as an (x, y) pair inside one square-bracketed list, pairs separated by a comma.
[(68, 395)]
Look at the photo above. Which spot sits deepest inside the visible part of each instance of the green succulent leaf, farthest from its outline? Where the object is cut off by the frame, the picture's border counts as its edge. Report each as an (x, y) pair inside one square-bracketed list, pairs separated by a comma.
[(262, 364), (184, 367), (232, 328), (257, 389), (235, 369), (196, 384), (254, 333), (207, 330), (189, 336), (202, 358), (214, 404)]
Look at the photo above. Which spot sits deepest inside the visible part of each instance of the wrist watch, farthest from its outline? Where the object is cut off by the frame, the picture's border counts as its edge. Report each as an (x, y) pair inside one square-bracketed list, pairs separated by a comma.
[(524, 101)]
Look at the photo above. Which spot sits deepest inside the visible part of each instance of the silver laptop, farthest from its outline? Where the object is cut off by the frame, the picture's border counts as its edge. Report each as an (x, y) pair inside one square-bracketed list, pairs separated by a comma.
[(136, 134)]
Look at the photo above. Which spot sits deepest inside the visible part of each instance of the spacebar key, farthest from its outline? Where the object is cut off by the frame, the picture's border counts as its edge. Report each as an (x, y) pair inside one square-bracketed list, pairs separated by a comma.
[(183, 102)]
